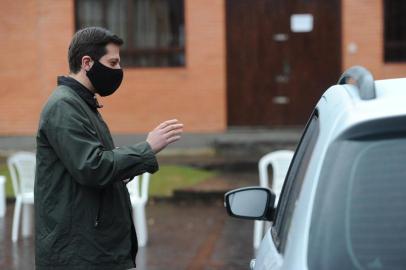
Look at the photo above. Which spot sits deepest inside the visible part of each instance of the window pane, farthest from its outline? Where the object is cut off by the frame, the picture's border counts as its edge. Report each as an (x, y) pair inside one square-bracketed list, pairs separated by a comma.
[(117, 18), (89, 12), (152, 30), (294, 181), (158, 33), (395, 34), (359, 217)]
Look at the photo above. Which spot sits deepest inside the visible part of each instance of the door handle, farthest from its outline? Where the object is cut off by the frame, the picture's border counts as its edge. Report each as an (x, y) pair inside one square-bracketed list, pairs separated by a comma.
[(281, 100), (280, 37), (281, 78)]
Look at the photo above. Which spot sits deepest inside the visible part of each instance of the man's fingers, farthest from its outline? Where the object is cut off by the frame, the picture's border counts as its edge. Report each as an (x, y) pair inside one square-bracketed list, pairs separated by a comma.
[(172, 127), (167, 123), (173, 139), (172, 133), (165, 133)]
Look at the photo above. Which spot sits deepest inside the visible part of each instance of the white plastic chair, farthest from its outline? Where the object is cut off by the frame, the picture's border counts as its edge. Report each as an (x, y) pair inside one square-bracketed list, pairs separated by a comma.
[(280, 161), (22, 171), (2, 196), (138, 202)]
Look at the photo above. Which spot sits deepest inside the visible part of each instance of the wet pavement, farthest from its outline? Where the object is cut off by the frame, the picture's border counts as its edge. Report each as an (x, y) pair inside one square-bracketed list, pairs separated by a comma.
[(190, 235)]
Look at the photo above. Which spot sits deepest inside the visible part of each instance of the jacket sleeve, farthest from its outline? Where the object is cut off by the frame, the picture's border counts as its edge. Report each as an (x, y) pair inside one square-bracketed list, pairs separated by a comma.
[(72, 136)]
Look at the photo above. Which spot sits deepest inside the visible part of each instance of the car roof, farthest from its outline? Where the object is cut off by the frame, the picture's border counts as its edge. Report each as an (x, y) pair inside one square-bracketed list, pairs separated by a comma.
[(341, 106)]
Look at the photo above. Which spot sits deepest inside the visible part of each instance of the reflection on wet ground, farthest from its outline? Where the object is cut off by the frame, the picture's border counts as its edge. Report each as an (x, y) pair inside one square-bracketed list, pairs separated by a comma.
[(182, 235)]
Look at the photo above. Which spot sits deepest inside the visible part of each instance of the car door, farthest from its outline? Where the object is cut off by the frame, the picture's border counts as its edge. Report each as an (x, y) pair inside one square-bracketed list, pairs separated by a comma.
[(293, 183)]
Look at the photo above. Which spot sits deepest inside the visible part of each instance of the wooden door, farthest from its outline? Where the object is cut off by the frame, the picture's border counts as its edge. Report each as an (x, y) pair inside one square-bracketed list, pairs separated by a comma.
[(276, 74)]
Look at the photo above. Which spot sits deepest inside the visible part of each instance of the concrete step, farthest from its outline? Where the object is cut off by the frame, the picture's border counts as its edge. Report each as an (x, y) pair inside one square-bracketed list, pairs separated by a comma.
[(250, 145), (235, 150), (215, 188)]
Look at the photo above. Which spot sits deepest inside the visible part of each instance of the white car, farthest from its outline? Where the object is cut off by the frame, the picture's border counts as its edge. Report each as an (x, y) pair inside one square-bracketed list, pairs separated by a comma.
[(343, 203)]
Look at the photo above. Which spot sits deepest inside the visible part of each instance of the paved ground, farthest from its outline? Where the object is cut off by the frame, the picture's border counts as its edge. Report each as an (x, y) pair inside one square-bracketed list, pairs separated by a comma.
[(188, 235)]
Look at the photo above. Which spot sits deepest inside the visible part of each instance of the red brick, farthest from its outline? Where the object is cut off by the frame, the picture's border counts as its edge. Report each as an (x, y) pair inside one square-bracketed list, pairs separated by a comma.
[(35, 36)]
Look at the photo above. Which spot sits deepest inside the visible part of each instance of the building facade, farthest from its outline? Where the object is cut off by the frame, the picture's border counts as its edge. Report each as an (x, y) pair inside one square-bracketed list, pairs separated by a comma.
[(212, 64)]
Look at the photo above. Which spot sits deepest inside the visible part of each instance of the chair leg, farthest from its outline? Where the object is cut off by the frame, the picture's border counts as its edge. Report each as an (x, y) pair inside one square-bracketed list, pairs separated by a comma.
[(16, 220), (258, 232), (27, 220), (140, 224)]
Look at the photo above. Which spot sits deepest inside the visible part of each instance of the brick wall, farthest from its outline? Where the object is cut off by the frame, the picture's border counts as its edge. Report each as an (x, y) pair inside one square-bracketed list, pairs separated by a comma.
[(363, 38), (28, 67), (34, 37)]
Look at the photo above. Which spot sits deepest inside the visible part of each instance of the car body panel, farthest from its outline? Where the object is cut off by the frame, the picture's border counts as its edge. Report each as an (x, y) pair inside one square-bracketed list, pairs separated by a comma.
[(339, 108), (268, 256)]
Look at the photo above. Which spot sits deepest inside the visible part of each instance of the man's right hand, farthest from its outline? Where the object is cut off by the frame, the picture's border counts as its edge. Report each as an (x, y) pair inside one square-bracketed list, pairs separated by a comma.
[(166, 133)]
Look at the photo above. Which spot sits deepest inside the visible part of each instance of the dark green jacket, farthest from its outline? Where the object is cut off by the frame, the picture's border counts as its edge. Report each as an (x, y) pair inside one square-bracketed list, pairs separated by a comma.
[(82, 207)]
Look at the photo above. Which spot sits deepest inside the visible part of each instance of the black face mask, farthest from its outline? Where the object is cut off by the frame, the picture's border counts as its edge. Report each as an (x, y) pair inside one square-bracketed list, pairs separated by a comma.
[(104, 79)]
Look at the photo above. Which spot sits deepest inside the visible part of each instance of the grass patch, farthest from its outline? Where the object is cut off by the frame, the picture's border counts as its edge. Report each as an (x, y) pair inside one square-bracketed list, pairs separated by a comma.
[(171, 177), (162, 184), (9, 187)]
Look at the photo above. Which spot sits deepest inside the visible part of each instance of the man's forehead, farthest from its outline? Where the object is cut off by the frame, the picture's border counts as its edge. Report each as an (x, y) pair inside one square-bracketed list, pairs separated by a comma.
[(113, 51)]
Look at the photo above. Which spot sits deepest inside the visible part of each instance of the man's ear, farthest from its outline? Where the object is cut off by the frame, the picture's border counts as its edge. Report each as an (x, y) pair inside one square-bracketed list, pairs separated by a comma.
[(87, 62)]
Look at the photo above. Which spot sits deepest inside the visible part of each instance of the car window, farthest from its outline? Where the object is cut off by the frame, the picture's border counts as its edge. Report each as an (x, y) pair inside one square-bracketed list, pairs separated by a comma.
[(359, 216), (293, 182)]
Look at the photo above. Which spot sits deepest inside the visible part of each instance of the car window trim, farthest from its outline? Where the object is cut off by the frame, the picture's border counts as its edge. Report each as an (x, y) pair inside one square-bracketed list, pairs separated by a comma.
[(287, 187)]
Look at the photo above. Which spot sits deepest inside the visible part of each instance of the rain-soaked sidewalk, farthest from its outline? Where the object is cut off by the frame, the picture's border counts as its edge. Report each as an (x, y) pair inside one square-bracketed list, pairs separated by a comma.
[(190, 235)]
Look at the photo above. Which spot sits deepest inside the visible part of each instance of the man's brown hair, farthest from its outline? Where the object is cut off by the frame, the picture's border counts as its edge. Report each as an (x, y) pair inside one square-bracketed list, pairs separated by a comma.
[(90, 41)]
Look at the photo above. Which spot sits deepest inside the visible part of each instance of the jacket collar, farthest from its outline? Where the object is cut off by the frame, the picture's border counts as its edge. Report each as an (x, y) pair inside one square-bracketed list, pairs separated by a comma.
[(81, 90)]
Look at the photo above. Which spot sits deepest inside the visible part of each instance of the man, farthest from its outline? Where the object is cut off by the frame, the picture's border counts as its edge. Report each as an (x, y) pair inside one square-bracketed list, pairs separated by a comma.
[(82, 207)]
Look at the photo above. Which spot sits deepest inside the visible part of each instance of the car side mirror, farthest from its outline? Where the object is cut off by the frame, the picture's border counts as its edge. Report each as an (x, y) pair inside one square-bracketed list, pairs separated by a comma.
[(256, 203)]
